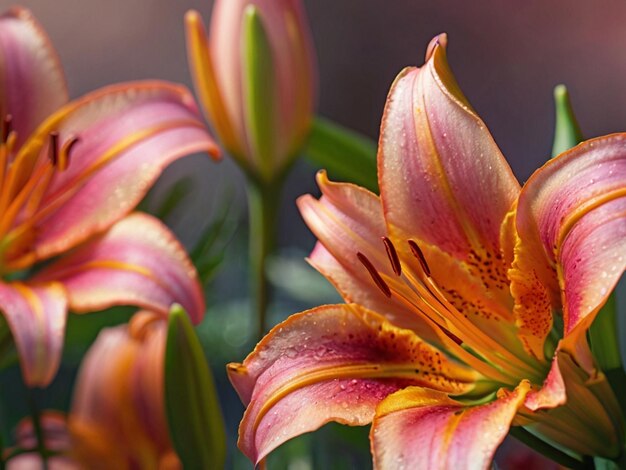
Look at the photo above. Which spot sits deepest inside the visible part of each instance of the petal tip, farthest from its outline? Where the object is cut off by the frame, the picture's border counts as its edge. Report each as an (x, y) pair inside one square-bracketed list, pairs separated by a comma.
[(441, 40)]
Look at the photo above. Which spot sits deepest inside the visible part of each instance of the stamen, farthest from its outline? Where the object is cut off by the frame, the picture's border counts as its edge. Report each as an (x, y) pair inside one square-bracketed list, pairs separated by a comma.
[(382, 285), (6, 127), (64, 154), (53, 149), (393, 256), (417, 252)]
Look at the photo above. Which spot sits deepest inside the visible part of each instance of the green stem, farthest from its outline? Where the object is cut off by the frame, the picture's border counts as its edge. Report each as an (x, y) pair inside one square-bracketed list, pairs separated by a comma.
[(546, 449), (263, 201), (36, 417)]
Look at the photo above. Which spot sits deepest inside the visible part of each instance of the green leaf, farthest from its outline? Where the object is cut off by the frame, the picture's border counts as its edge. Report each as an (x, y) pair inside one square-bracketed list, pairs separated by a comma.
[(208, 253), (195, 420), (259, 93), (345, 154), (603, 335), (174, 197), (567, 131)]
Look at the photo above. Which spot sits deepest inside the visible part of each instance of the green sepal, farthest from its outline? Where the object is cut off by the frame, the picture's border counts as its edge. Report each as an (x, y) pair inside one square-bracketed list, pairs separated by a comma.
[(566, 131), (345, 154), (194, 417), (259, 91)]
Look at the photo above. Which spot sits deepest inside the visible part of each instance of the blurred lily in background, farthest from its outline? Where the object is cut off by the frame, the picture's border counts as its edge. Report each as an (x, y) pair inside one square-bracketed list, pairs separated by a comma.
[(70, 174), (484, 291), (145, 399), (118, 417)]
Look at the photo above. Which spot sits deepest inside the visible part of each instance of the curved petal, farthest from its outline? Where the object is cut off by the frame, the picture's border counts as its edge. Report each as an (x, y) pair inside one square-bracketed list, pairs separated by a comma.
[(137, 262), (425, 429), (442, 178), (127, 134), (36, 314), (205, 83), (32, 84), (333, 363), (589, 421), (571, 221)]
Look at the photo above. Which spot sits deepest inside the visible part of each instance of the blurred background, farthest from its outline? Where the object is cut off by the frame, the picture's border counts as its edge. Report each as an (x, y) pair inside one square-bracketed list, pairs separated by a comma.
[(507, 57)]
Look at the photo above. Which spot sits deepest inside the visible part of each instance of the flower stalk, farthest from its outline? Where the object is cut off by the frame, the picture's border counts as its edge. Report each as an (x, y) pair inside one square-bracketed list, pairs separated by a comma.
[(263, 205)]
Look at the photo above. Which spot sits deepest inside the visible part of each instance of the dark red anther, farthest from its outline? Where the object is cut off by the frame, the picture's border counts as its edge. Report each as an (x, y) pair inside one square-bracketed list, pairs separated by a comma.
[(7, 127), (67, 148), (417, 252), (452, 336), (53, 148), (392, 254), (382, 285)]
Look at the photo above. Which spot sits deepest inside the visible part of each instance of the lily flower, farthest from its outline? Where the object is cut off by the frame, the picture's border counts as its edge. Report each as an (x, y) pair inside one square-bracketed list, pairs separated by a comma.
[(255, 78), (70, 175), (118, 411), (469, 297)]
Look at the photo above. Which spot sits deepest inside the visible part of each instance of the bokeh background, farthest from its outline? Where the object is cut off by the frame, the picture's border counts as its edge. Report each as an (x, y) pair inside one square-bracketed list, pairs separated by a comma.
[(507, 56)]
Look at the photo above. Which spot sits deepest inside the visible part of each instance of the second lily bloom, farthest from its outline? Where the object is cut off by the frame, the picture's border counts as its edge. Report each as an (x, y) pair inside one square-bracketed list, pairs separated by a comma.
[(70, 175)]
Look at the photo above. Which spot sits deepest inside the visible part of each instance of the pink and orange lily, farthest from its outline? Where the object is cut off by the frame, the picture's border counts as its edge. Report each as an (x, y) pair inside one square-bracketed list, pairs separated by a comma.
[(118, 412), (70, 175), (468, 296)]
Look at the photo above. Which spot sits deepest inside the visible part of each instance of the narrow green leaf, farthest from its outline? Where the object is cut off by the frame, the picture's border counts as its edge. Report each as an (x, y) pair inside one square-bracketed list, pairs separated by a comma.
[(604, 336), (345, 154), (566, 132), (195, 420), (174, 197), (259, 93)]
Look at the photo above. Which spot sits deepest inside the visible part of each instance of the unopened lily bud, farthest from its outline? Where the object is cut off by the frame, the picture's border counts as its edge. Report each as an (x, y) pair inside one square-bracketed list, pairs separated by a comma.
[(255, 77)]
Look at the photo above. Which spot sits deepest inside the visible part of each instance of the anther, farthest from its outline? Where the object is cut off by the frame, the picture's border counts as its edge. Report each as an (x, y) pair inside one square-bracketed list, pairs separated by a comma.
[(392, 254), (417, 252), (7, 127), (53, 148), (382, 285), (66, 148)]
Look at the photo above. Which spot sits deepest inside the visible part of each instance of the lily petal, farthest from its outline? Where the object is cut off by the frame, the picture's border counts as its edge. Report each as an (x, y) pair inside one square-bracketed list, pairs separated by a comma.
[(442, 177), (333, 363), (137, 262), (571, 220), (127, 135), (425, 429), (36, 314), (590, 423), (32, 84)]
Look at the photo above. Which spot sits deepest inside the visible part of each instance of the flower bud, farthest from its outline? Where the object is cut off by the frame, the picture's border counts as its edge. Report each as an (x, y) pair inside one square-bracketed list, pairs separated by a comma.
[(255, 77)]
